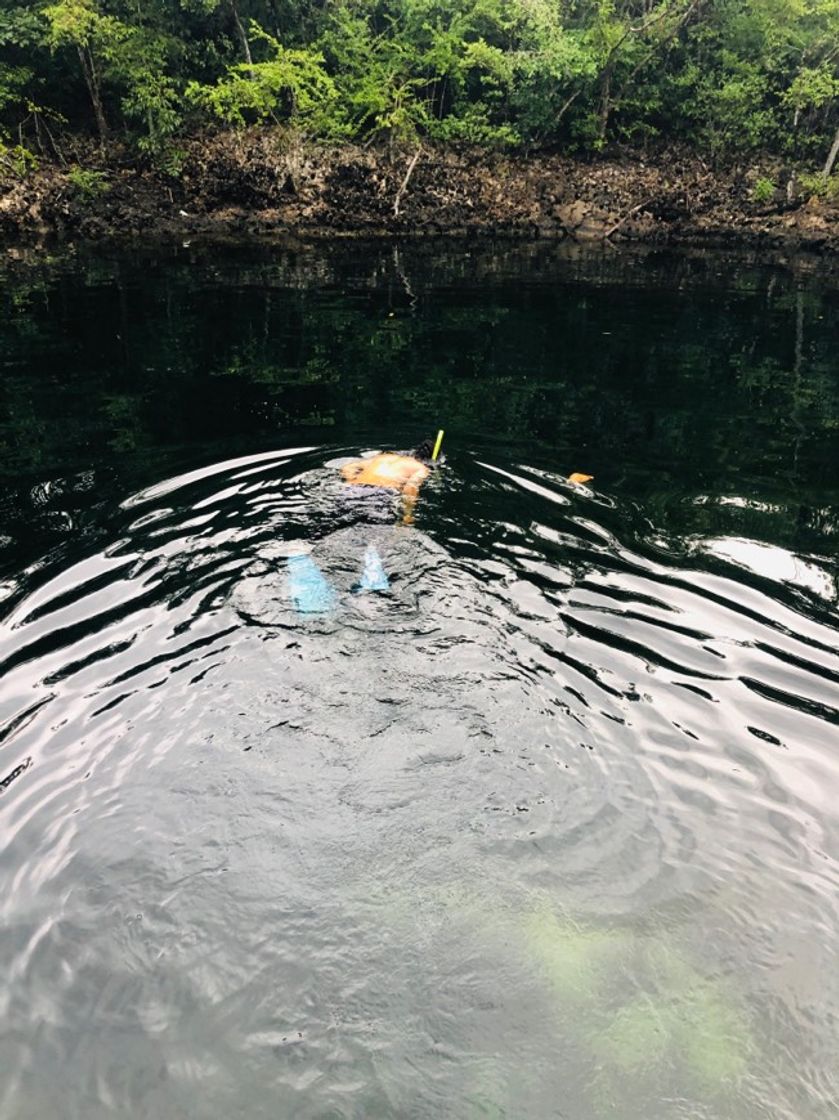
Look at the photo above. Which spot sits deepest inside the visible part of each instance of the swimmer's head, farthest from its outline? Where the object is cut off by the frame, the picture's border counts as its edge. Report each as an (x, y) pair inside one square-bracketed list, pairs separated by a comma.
[(424, 451)]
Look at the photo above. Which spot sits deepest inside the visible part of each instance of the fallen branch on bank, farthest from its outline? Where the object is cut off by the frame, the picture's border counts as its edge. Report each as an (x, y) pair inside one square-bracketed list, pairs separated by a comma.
[(625, 217)]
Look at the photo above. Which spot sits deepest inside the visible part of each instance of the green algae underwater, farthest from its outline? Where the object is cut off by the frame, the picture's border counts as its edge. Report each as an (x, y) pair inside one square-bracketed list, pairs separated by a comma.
[(636, 1005)]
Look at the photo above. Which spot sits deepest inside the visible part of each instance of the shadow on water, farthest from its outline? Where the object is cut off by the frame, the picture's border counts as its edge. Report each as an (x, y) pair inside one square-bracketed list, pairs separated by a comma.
[(544, 829)]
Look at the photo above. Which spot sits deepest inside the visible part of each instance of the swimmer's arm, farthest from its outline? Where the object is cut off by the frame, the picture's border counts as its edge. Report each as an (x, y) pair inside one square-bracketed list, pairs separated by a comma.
[(410, 493)]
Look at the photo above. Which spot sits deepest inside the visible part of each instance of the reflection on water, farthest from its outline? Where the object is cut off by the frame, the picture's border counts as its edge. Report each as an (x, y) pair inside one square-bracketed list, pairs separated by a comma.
[(546, 828)]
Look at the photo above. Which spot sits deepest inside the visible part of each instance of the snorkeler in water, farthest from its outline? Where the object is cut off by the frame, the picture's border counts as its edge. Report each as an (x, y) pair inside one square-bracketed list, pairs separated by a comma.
[(385, 474), (402, 471)]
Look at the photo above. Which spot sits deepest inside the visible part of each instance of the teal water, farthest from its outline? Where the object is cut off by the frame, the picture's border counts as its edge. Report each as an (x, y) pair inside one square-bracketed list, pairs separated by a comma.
[(546, 828)]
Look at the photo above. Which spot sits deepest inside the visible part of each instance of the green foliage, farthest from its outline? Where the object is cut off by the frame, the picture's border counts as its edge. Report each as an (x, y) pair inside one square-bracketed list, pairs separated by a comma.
[(20, 26), (152, 99), (16, 160), (474, 126), (170, 160), (812, 87), (13, 81), (87, 184), (729, 78), (376, 78), (132, 57), (136, 61), (289, 84), (763, 190), (817, 185), (77, 23), (731, 105)]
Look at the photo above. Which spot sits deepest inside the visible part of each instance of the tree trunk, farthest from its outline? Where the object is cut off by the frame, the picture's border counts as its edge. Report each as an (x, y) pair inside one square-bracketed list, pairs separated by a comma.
[(831, 158), (605, 102), (246, 47), (92, 82)]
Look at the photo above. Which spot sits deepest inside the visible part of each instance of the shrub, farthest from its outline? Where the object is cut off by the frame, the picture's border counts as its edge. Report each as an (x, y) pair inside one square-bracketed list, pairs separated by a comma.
[(87, 184), (763, 190), (818, 185), (16, 160)]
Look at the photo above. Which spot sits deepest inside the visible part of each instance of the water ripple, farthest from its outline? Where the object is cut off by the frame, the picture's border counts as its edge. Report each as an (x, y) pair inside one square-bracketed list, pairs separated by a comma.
[(559, 751)]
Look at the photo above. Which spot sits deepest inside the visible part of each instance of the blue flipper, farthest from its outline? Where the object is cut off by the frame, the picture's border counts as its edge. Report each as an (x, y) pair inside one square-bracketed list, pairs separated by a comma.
[(308, 589), (374, 577)]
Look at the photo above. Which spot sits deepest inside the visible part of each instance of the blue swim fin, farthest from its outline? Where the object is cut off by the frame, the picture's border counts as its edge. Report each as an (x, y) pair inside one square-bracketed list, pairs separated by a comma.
[(374, 577), (308, 589)]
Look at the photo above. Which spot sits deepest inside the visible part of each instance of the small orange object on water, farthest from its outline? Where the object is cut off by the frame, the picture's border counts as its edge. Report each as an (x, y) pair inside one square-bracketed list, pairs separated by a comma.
[(577, 477)]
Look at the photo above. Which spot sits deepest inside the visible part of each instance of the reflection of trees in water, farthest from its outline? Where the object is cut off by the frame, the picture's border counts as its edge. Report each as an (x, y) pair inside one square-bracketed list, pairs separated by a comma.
[(684, 370)]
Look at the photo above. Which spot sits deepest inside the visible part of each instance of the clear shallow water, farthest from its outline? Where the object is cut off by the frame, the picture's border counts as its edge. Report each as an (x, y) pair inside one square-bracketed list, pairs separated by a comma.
[(548, 830)]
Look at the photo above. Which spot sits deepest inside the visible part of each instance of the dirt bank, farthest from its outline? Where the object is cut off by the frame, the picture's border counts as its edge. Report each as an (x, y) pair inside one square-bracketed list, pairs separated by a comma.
[(264, 182)]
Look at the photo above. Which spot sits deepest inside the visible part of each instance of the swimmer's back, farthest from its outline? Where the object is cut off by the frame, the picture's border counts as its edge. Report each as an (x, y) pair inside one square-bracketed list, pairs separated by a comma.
[(389, 469)]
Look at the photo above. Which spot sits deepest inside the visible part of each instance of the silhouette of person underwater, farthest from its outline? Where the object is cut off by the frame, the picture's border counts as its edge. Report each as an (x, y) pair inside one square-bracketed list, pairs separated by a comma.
[(386, 474)]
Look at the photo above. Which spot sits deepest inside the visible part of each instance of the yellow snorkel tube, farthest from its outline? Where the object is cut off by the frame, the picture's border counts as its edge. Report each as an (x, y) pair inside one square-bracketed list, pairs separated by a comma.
[(437, 444)]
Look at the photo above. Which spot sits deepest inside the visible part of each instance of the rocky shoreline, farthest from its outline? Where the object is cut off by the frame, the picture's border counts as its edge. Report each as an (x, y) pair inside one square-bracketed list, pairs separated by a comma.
[(264, 182)]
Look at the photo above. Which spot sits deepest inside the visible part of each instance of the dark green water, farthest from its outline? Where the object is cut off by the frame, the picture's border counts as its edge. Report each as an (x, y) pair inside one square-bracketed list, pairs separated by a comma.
[(549, 829)]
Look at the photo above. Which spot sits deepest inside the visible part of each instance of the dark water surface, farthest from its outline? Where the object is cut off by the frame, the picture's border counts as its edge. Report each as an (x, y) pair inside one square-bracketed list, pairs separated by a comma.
[(551, 828)]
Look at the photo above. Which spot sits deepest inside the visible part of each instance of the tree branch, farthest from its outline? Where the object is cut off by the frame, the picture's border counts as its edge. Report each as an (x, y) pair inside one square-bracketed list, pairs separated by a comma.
[(567, 105), (663, 42), (625, 217), (408, 175)]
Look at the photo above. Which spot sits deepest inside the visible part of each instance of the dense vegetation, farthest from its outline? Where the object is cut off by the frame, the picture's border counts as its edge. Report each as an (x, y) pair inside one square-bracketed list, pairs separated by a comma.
[(729, 77)]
